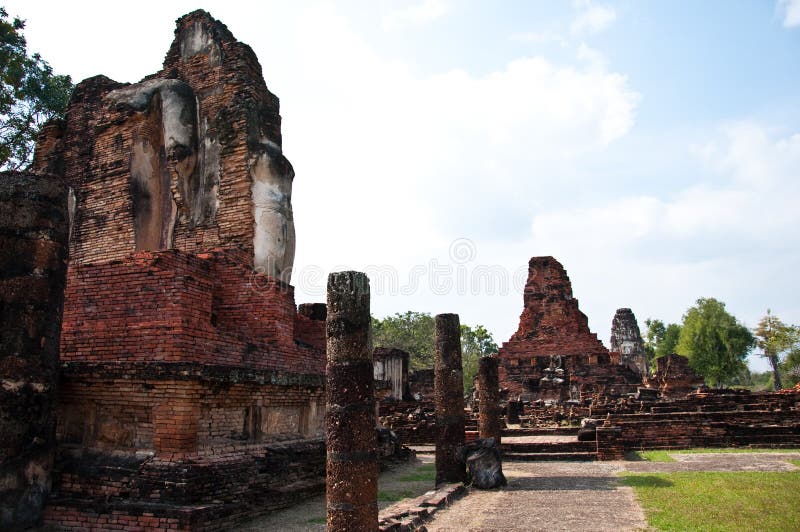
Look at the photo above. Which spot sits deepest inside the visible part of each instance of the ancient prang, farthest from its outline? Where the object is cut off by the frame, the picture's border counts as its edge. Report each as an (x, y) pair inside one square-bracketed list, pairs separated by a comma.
[(352, 464), (449, 398), (192, 390), (34, 230), (626, 341), (553, 355)]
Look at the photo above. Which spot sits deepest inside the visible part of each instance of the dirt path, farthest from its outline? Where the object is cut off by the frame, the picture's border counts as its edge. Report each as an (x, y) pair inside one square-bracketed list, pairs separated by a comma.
[(580, 496), (548, 496)]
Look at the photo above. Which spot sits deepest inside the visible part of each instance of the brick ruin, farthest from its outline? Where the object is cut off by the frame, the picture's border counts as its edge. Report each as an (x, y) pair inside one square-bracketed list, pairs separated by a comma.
[(627, 346), (34, 229), (674, 378), (554, 356), (192, 390), (391, 366)]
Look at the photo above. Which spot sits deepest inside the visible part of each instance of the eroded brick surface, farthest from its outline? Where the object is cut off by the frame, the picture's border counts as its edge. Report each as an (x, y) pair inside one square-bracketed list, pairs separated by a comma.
[(34, 228)]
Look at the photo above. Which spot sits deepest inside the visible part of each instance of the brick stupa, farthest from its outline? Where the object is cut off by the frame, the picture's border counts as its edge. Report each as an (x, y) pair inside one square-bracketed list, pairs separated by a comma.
[(554, 355)]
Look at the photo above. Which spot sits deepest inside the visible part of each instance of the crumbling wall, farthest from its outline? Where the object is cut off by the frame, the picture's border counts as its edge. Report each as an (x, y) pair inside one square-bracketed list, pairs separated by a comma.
[(674, 378), (34, 228), (190, 158)]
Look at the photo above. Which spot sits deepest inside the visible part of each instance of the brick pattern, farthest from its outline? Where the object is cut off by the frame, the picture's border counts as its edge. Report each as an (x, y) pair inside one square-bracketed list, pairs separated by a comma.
[(235, 108), (177, 307)]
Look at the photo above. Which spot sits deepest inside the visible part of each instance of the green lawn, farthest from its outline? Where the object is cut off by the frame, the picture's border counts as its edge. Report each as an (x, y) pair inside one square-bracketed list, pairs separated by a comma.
[(425, 472), (664, 455), (718, 501)]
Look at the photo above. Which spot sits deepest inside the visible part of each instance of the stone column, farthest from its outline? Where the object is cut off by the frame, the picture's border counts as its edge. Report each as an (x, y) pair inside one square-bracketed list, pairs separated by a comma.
[(34, 232), (352, 465), (449, 397), (489, 425)]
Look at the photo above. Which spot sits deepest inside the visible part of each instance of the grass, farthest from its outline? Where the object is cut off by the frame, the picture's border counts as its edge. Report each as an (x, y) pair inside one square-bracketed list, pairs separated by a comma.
[(733, 450), (714, 501), (424, 473), (652, 456), (395, 495), (664, 455), (795, 462), (317, 521)]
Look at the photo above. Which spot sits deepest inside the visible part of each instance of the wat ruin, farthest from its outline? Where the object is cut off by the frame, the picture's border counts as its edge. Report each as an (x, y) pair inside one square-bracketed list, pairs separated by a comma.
[(190, 389), (554, 356), (156, 372)]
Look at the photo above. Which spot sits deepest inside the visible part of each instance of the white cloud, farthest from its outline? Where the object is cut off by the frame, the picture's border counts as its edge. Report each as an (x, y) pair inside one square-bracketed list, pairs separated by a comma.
[(539, 37), (591, 18), (790, 10), (416, 15), (730, 235)]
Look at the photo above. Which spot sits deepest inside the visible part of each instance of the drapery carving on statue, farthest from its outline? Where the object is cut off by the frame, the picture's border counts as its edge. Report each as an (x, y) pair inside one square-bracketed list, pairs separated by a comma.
[(166, 141), (274, 239)]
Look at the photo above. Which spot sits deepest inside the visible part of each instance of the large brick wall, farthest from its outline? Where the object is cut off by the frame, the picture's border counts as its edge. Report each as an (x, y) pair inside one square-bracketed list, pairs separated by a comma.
[(176, 307)]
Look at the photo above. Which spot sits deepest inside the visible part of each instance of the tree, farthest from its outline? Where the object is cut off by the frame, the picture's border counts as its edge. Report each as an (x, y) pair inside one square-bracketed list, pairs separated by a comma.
[(775, 339), (475, 343), (715, 343), (660, 339), (30, 95), (414, 332)]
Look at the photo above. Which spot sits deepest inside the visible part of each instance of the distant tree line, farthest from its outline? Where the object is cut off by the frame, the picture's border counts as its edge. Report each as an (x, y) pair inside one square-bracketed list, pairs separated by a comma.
[(717, 345), (413, 332)]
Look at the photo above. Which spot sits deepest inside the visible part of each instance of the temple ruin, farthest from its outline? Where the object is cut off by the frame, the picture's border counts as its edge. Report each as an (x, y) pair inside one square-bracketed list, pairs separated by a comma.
[(192, 390), (627, 346), (554, 356)]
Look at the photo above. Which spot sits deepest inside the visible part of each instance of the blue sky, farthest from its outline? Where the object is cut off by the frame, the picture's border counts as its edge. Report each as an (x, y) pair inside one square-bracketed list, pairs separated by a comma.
[(653, 147)]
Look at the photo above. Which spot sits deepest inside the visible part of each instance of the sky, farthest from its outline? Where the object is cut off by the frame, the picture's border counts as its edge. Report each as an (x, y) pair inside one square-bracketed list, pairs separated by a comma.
[(652, 147)]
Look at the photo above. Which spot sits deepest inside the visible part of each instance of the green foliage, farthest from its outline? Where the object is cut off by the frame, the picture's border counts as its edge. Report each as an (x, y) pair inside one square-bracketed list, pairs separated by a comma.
[(791, 367), (660, 339), (411, 332), (718, 501), (715, 343), (475, 343), (414, 331), (30, 95), (775, 339)]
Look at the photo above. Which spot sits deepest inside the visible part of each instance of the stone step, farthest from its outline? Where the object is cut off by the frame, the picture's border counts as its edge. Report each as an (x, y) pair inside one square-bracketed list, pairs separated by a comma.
[(551, 457), (555, 447), (533, 431)]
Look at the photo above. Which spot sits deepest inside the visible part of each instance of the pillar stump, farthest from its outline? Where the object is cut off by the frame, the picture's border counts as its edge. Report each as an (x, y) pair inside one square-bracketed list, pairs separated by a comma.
[(352, 464), (449, 398), (489, 425)]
